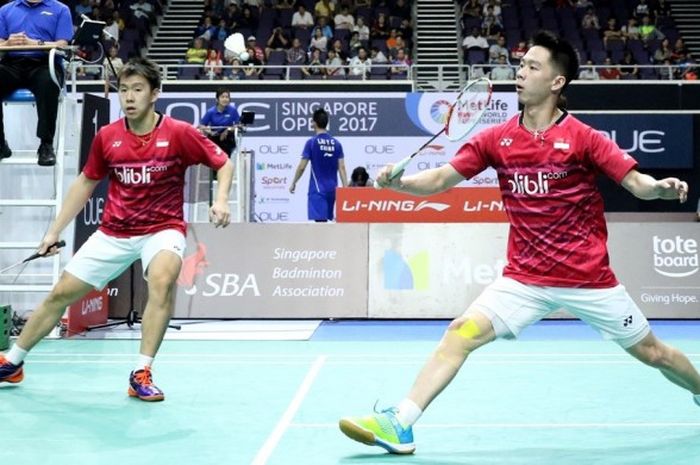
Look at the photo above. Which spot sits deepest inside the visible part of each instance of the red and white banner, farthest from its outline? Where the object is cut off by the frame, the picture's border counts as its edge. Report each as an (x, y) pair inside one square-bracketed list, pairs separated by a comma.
[(91, 310), (457, 205)]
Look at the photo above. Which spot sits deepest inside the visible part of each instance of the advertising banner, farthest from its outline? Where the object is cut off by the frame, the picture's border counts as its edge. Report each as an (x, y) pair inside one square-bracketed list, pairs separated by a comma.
[(374, 129), (437, 270), (457, 205), (655, 141), (92, 309), (659, 264), (274, 271)]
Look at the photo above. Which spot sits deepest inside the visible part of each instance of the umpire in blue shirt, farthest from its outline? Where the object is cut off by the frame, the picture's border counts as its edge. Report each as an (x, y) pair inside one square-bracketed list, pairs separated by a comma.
[(218, 122), (33, 23)]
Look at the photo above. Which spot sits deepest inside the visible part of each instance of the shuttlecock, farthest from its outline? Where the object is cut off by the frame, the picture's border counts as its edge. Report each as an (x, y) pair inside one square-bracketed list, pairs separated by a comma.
[(235, 43), (243, 56)]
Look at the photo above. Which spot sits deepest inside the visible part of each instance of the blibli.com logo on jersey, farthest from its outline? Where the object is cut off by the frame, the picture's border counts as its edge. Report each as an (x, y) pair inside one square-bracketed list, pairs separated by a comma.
[(533, 184), (405, 274), (141, 175), (675, 257)]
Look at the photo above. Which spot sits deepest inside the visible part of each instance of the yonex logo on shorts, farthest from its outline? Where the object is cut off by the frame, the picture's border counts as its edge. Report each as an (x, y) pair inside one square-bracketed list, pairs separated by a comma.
[(675, 257)]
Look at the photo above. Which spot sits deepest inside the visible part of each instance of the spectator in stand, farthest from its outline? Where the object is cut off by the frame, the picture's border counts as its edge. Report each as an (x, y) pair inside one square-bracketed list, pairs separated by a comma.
[(612, 33), (247, 20), (252, 67), (491, 24), (400, 45), (491, 7), (630, 31), (475, 40), (690, 72), (276, 42), (315, 67), (666, 72), (142, 9), (355, 43), (502, 71), (360, 178), (334, 65), (642, 9), (664, 52), (236, 72), (117, 64), (610, 71), (391, 40), (232, 15), (318, 40), (517, 52), (648, 31), (362, 29), (498, 49), (588, 73), (323, 25), (196, 54), (82, 8), (400, 64), (296, 54), (324, 9), (380, 28), (361, 64), (252, 43), (344, 20), (590, 20), (213, 66), (206, 29), (378, 57), (112, 27), (583, 5), (302, 18), (339, 50), (222, 31), (471, 9), (662, 11), (400, 9), (284, 4), (679, 50)]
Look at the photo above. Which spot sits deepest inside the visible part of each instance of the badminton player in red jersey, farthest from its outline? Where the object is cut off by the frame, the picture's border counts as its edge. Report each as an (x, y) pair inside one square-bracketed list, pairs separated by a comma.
[(145, 154), (547, 162)]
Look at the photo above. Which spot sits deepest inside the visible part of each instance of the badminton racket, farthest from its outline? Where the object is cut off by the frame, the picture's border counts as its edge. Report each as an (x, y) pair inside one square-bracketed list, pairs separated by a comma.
[(34, 256), (462, 116)]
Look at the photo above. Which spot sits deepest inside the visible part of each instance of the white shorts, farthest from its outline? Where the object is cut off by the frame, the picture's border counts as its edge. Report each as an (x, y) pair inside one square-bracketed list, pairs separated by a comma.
[(512, 306), (103, 257)]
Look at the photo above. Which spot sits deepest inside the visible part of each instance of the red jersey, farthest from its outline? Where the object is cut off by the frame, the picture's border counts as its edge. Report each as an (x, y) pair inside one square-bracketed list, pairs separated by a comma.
[(147, 174), (548, 182)]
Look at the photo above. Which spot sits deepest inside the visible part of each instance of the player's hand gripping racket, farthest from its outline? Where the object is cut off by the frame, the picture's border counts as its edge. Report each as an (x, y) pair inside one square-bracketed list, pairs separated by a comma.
[(462, 116), (34, 256)]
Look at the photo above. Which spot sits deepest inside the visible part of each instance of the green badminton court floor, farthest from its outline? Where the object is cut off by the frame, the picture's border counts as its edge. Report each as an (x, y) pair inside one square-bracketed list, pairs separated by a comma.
[(558, 396)]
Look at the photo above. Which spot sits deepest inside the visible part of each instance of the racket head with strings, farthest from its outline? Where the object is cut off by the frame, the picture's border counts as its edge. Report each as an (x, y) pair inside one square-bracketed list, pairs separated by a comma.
[(466, 111)]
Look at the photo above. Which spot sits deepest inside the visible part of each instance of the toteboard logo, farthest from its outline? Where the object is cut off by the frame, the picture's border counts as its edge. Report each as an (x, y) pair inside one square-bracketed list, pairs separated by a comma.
[(675, 257), (215, 284), (439, 110), (406, 274)]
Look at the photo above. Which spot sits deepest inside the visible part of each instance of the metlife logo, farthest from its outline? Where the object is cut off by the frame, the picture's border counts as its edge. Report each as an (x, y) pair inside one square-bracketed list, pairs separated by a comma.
[(675, 257)]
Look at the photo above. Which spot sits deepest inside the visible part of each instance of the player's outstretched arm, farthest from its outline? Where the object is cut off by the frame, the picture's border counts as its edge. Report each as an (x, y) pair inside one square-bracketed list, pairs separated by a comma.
[(76, 198), (647, 187), (424, 183), (220, 212)]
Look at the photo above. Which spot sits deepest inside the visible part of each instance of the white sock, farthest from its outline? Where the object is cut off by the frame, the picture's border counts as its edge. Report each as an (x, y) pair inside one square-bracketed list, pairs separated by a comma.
[(143, 361), (408, 412), (696, 398), (16, 355)]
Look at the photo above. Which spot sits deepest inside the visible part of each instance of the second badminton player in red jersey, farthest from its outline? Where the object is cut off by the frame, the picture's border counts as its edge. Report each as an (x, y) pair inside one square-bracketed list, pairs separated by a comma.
[(145, 156), (546, 162)]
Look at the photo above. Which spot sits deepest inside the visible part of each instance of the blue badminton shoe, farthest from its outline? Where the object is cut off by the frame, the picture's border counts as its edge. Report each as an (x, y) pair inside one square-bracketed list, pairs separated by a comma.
[(9, 372)]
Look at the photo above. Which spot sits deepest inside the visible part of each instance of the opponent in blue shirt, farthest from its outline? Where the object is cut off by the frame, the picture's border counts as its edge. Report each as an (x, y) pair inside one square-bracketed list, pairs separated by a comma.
[(327, 160), (33, 23), (218, 122)]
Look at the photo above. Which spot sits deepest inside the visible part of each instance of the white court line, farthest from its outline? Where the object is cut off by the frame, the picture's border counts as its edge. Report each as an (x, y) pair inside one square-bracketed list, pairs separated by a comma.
[(266, 450), (345, 356), (522, 425)]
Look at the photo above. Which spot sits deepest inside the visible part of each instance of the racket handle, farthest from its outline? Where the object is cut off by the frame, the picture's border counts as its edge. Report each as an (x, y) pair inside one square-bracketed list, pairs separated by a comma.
[(58, 244), (397, 170)]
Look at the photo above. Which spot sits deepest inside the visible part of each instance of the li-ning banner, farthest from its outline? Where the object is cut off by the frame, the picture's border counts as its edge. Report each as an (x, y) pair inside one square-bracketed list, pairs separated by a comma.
[(373, 128), (655, 141)]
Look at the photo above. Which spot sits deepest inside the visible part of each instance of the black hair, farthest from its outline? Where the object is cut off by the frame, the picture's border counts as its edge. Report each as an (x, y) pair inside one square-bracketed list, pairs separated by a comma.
[(359, 176), (141, 67), (563, 55), (321, 118), (221, 90)]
